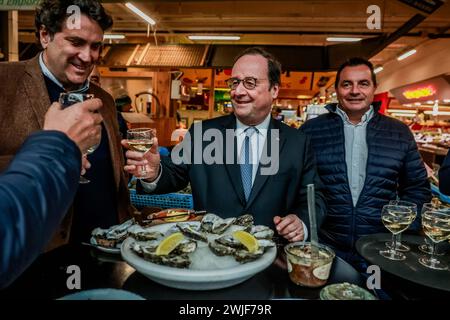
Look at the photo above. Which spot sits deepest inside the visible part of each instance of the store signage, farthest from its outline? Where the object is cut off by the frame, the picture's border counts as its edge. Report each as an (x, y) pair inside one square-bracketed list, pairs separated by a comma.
[(18, 4), (427, 6), (418, 93), (437, 88)]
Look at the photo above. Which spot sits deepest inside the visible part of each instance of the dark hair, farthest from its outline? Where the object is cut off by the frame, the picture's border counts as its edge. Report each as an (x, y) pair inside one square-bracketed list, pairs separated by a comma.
[(353, 62), (52, 14), (273, 65)]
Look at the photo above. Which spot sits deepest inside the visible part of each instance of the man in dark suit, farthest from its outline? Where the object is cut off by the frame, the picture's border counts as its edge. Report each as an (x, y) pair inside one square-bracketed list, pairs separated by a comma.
[(68, 57), (262, 167)]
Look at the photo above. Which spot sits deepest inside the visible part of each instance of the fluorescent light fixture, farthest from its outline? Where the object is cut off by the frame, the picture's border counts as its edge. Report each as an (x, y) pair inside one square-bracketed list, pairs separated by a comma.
[(378, 69), (140, 14), (113, 36), (406, 54), (343, 39), (401, 111), (430, 102), (407, 105), (447, 100), (417, 104), (439, 113), (409, 115), (212, 37)]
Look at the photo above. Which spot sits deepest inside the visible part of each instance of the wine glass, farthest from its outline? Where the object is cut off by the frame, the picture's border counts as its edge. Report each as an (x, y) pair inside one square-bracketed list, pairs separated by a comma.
[(427, 247), (402, 247), (141, 140), (436, 225), (396, 219), (67, 99)]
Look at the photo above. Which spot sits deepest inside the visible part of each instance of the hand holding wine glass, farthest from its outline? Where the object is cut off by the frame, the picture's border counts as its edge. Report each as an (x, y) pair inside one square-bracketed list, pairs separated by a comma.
[(67, 99), (142, 157)]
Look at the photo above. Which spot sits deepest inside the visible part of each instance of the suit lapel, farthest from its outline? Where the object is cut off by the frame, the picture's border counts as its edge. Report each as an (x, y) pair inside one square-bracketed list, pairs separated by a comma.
[(36, 90), (233, 169), (260, 180)]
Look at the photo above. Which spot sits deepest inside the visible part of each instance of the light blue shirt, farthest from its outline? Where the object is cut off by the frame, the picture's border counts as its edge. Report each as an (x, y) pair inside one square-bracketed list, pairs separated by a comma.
[(356, 151), (49, 74)]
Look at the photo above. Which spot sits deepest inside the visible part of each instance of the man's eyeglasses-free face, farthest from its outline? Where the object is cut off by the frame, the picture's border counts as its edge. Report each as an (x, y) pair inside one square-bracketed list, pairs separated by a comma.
[(248, 82)]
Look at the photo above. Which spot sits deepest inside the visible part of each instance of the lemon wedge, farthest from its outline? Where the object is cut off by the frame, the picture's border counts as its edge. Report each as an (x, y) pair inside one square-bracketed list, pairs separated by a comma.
[(169, 244), (247, 239)]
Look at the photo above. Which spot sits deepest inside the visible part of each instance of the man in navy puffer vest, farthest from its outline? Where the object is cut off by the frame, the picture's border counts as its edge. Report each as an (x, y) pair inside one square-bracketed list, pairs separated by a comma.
[(365, 159)]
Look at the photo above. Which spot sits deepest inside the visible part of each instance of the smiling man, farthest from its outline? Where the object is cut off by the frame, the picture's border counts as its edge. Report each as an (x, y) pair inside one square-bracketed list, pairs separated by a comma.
[(365, 159), (229, 189), (71, 41)]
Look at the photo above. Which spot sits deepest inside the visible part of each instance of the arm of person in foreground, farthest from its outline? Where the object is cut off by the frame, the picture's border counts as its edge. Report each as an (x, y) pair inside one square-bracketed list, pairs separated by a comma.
[(39, 185), (444, 176), (35, 192)]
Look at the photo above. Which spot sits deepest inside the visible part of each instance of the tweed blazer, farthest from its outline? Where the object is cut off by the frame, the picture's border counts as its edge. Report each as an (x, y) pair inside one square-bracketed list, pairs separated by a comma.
[(23, 104)]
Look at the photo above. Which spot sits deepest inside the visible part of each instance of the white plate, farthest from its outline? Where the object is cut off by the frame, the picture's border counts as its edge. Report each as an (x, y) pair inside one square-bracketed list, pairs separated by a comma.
[(102, 294), (217, 273), (105, 249)]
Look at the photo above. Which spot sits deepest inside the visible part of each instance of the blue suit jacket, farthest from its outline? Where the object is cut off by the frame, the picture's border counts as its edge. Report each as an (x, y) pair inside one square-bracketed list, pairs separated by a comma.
[(36, 191), (217, 188)]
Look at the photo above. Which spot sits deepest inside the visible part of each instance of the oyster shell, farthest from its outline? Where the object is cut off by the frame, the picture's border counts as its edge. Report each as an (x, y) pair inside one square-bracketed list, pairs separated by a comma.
[(186, 246), (142, 234), (221, 250), (262, 232), (229, 241), (214, 224), (245, 220), (192, 231), (244, 256), (221, 225)]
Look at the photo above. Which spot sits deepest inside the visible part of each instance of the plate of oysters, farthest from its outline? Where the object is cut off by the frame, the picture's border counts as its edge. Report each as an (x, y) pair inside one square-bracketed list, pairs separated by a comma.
[(110, 240), (209, 254)]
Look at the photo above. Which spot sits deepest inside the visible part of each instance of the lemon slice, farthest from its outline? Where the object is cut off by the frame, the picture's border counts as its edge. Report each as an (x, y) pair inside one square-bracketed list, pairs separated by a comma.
[(168, 244), (248, 240)]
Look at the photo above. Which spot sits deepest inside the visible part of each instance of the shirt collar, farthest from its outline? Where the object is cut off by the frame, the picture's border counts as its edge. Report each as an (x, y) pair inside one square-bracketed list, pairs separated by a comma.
[(365, 118), (240, 127), (49, 74)]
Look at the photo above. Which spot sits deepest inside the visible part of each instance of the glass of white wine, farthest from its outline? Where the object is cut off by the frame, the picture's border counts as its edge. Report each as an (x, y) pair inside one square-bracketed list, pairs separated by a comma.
[(427, 247), (140, 140), (400, 246), (436, 225), (396, 219), (66, 99)]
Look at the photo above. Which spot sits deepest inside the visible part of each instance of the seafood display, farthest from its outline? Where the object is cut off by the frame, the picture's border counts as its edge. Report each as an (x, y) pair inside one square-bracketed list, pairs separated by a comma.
[(212, 234)]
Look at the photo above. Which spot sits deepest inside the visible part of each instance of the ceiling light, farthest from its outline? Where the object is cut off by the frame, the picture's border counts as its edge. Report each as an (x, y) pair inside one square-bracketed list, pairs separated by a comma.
[(343, 39), (401, 111), (403, 114), (447, 100), (113, 36), (140, 13), (378, 69), (406, 54), (439, 113), (211, 37)]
